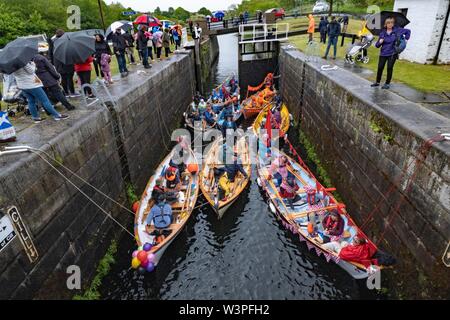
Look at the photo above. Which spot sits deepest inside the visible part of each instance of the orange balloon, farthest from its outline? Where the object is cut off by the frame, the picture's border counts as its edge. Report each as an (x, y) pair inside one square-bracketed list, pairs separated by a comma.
[(192, 168), (310, 228)]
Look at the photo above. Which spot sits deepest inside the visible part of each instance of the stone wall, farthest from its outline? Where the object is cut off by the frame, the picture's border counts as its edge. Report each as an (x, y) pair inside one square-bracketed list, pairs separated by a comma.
[(209, 52), (364, 137), (68, 229)]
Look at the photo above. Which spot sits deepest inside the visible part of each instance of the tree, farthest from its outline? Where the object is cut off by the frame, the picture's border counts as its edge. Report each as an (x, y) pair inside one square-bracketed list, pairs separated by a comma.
[(157, 11), (181, 14), (204, 11)]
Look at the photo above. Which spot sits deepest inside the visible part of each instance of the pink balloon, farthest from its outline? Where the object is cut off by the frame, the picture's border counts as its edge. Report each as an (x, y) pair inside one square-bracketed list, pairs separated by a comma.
[(135, 252), (151, 257)]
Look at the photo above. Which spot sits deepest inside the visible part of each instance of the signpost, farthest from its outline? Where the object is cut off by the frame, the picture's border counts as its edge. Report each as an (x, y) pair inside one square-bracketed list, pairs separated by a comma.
[(129, 13), (23, 233)]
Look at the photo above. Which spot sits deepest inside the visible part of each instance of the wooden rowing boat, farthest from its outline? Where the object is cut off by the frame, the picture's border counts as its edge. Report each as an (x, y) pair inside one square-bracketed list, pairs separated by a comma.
[(182, 209), (208, 183), (285, 119), (296, 218)]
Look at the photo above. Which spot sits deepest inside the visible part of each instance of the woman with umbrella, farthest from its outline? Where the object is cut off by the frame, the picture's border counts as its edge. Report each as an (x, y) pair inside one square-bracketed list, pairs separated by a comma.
[(32, 88), (389, 37), (16, 59)]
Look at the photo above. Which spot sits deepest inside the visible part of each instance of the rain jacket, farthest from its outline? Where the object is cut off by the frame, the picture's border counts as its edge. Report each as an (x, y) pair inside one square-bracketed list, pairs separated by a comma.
[(387, 47), (26, 77), (334, 29), (85, 66), (46, 71), (311, 24)]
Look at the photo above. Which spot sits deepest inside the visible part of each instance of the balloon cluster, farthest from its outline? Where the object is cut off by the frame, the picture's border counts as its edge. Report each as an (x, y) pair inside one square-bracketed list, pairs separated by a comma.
[(143, 260)]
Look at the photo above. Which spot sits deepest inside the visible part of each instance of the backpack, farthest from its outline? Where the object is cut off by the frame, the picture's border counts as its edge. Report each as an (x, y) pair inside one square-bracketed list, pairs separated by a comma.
[(400, 44)]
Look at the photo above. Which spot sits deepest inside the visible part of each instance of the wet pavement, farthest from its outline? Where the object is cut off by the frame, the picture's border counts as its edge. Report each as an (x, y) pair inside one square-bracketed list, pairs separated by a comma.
[(436, 102)]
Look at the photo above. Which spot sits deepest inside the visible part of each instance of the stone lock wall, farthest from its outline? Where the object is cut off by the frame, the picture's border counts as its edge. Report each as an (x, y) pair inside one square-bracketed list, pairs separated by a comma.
[(364, 138), (66, 228)]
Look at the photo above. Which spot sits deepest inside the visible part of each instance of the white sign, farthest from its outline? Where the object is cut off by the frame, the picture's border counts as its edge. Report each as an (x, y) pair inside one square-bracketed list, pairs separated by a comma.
[(7, 233), (23, 233)]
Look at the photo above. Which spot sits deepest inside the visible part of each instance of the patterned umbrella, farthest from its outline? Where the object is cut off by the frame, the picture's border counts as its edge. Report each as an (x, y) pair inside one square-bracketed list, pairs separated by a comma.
[(148, 20), (122, 24)]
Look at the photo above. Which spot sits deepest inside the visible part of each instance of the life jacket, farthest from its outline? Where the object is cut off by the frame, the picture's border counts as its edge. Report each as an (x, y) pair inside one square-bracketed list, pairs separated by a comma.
[(160, 216)]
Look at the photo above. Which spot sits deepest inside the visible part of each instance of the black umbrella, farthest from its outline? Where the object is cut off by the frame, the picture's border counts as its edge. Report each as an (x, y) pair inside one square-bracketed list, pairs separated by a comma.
[(16, 54), (375, 22), (74, 47), (122, 24), (94, 32)]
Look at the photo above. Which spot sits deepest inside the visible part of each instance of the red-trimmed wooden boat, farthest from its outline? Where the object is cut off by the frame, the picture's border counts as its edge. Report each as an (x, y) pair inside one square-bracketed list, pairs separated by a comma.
[(296, 218)]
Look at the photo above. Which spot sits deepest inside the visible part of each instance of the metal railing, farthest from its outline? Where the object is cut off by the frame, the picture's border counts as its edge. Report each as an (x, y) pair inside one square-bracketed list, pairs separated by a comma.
[(251, 33)]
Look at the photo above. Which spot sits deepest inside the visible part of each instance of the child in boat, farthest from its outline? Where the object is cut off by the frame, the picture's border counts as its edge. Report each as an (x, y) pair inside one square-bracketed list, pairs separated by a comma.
[(333, 224), (288, 190)]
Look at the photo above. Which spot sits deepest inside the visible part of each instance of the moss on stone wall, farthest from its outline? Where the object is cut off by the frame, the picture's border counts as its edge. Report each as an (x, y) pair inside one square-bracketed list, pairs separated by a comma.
[(104, 266), (379, 124), (321, 172)]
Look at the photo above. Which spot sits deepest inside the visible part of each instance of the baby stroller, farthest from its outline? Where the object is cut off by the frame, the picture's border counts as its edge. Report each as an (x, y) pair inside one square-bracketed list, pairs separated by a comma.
[(358, 52), (12, 95)]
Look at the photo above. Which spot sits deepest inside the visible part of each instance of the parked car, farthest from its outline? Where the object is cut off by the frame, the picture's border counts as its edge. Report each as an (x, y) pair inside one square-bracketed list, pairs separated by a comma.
[(279, 12), (321, 6)]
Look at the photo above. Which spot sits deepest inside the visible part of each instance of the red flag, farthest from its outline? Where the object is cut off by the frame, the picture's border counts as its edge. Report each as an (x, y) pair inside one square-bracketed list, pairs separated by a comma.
[(269, 124)]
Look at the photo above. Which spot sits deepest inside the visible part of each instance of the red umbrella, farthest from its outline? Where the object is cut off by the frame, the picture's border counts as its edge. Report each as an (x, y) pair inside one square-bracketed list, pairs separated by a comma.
[(148, 20)]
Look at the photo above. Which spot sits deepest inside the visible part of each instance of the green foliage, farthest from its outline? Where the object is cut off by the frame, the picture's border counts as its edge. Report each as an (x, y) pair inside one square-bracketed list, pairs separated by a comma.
[(312, 156), (131, 194), (103, 269), (204, 11)]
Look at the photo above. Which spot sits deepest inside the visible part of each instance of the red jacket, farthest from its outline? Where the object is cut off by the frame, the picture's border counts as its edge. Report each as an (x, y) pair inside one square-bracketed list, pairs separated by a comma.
[(359, 253), (86, 66)]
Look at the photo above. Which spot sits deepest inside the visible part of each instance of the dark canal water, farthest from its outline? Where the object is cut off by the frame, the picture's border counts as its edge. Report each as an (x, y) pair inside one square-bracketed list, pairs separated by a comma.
[(246, 255)]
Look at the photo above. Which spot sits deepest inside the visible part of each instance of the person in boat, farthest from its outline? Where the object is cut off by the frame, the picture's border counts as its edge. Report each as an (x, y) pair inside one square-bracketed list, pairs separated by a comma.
[(278, 170), (216, 105), (228, 124), (180, 168), (201, 106), (173, 184), (223, 183), (193, 111), (160, 215), (333, 224), (209, 115), (225, 93), (158, 192), (276, 113), (233, 168), (288, 190)]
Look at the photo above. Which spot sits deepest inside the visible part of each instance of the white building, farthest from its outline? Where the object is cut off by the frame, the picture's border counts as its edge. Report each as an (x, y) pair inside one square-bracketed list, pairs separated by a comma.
[(427, 19)]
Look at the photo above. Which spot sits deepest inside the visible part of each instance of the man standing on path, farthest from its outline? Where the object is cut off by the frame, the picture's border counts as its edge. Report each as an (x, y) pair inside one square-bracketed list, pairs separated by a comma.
[(66, 71), (334, 30), (142, 45), (120, 46)]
